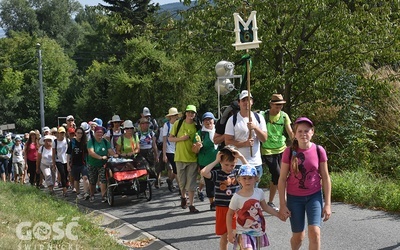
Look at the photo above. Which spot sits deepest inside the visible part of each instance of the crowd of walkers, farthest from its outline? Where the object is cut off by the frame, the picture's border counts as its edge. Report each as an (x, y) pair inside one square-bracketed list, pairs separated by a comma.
[(223, 158)]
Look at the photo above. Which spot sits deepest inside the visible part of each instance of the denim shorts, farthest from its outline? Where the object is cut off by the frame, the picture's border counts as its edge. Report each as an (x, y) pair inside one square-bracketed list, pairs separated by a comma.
[(299, 206)]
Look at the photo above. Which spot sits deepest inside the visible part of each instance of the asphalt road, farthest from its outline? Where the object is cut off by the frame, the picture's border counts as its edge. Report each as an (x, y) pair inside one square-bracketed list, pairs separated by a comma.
[(350, 227)]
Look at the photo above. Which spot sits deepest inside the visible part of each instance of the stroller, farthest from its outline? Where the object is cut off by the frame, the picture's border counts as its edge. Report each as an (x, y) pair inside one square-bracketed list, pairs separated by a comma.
[(128, 177)]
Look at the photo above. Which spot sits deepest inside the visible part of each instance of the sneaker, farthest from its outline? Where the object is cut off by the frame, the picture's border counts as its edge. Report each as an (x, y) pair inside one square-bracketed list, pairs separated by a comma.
[(80, 196), (200, 194), (193, 210), (103, 199), (170, 186), (212, 206), (74, 190), (91, 199), (86, 196), (273, 206)]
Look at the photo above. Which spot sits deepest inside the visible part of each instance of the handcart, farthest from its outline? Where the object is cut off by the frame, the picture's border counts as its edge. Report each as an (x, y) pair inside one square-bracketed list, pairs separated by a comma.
[(128, 177)]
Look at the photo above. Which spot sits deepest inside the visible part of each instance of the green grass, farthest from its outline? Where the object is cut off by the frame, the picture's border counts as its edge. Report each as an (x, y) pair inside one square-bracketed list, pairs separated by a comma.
[(24, 204), (366, 190)]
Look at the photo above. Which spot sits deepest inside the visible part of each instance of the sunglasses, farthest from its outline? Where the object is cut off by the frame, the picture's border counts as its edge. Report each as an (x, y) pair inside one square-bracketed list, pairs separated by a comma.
[(130, 128)]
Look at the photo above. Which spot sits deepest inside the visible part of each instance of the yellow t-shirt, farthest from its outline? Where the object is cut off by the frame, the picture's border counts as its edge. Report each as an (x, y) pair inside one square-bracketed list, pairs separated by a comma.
[(183, 149)]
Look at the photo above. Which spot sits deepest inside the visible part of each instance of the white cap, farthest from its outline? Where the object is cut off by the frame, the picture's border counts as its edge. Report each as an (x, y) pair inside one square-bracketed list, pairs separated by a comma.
[(244, 94), (69, 118), (46, 129), (146, 111)]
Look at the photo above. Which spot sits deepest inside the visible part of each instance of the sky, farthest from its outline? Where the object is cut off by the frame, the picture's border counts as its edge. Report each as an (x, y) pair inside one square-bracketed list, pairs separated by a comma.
[(95, 2)]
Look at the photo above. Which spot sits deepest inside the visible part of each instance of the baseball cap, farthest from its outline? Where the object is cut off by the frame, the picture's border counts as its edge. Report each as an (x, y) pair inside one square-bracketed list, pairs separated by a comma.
[(53, 130), (144, 120), (146, 111), (18, 138), (48, 137), (304, 119), (70, 117), (46, 129), (244, 94), (61, 130), (247, 170), (71, 131), (207, 115), (191, 108)]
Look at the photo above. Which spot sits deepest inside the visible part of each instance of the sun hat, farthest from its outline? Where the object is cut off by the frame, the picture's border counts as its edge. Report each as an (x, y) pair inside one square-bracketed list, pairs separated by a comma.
[(144, 120), (46, 129), (191, 108), (116, 118), (277, 99), (146, 111), (247, 170), (53, 130), (70, 117), (128, 124), (244, 94), (172, 111), (32, 132), (207, 115), (304, 119), (48, 137), (98, 121), (61, 129), (85, 126)]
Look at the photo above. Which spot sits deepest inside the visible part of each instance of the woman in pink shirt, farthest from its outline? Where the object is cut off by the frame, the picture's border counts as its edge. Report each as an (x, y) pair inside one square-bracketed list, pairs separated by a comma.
[(31, 151), (303, 167)]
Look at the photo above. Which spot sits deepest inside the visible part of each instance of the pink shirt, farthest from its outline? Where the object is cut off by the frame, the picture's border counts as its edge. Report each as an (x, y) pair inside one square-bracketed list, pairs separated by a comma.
[(32, 152), (308, 180)]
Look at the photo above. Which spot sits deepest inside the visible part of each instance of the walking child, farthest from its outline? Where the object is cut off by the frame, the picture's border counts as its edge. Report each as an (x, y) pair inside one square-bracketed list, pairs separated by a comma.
[(248, 204), (225, 186)]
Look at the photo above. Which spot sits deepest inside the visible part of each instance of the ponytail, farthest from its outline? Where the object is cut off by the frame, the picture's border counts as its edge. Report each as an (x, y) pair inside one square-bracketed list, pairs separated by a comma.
[(294, 161)]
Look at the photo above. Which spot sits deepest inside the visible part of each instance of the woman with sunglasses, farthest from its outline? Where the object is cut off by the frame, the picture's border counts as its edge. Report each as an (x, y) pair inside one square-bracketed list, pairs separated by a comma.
[(128, 144)]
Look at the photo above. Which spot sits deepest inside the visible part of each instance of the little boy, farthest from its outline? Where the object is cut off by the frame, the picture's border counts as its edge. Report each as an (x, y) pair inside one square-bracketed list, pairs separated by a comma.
[(225, 186)]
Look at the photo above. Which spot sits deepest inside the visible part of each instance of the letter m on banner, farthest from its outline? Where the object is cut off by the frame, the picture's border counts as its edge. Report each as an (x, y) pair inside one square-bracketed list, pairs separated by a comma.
[(246, 32)]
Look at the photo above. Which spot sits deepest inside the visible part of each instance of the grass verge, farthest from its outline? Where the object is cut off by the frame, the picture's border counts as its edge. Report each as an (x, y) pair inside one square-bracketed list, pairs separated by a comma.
[(32, 219), (366, 190)]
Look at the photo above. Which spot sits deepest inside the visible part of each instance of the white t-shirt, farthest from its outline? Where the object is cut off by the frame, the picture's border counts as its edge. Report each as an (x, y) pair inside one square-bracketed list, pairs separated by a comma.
[(249, 217), (170, 149), (241, 133), (62, 147), (46, 156), (114, 138), (17, 154)]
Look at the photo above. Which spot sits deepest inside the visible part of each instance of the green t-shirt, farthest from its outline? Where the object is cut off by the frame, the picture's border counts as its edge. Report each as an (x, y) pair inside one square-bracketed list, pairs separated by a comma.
[(101, 148), (183, 149), (208, 152), (129, 144), (276, 142), (4, 149)]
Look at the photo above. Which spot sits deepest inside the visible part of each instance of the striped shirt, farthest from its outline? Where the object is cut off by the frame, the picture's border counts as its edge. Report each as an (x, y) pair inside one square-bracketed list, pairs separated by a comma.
[(225, 186)]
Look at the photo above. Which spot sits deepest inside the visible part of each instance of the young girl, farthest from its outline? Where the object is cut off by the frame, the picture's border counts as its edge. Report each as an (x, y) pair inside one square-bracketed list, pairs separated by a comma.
[(304, 172), (248, 204)]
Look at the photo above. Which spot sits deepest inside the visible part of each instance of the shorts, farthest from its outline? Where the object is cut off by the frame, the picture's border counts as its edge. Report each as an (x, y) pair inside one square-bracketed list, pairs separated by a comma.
[(78, 171), (220, 220), (274, 165), (171, 161), (96, 173), (187, 175), (301, 205), (244, 241), (18, 168)]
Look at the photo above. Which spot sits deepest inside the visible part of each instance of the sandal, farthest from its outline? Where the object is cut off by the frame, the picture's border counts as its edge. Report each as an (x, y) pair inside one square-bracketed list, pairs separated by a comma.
[(193, 210), (183, 202)]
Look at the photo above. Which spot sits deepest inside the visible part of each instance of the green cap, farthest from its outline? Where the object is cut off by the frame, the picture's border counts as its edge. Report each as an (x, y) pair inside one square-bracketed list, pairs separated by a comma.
[(5, 141), (191, 108)]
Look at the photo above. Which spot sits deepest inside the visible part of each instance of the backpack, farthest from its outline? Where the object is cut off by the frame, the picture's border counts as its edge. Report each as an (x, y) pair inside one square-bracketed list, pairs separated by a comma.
[(234, 119), (112, 134), (180, 121), (266, 117)]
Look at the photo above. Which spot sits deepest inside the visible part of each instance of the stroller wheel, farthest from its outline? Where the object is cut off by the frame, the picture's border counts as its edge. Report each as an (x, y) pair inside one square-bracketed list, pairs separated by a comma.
[(110, 196), (148, 192)]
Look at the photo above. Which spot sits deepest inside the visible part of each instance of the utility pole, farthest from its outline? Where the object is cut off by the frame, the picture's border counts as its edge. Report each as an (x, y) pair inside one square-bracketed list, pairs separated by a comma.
[(40, 69)]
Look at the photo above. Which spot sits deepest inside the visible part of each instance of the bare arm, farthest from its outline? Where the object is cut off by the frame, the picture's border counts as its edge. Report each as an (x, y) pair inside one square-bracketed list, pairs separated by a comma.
[(283, 210), (206, 171), (326, 186), (229, 215), (289, 131), (218, 138)]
